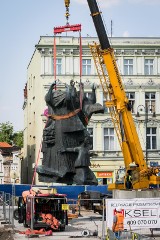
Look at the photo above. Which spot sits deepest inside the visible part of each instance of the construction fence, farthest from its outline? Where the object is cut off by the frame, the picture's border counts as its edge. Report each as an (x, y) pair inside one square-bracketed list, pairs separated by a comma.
[(106, 233), (93, 217), (7, 207)]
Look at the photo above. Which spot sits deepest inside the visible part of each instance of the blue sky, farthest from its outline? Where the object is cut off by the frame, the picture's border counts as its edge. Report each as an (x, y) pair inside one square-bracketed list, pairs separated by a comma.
[(22, 22)]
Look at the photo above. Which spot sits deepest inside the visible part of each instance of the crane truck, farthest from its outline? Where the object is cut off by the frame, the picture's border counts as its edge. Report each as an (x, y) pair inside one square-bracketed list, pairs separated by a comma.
[(103, 54)]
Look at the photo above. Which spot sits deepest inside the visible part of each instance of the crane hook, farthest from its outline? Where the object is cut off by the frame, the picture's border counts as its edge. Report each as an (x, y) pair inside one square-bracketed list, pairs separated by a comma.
[(67, 3)]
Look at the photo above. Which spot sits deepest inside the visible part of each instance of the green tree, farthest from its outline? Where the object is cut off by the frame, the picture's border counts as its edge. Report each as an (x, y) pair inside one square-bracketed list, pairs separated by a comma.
[(18, 139), (6, 132), (8, 135)]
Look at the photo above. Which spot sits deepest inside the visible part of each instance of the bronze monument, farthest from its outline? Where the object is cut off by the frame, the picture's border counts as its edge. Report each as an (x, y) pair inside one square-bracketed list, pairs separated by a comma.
[(66, 141)]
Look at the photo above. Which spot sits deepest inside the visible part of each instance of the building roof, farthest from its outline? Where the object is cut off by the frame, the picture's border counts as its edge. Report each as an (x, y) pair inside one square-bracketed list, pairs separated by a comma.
[(4, 144)]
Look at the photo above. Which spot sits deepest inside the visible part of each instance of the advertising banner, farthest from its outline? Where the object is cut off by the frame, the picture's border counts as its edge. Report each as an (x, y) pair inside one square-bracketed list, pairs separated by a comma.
[(138, 212)]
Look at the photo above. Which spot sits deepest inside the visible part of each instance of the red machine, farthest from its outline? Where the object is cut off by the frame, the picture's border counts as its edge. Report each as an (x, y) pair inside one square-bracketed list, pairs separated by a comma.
[(39, 210)]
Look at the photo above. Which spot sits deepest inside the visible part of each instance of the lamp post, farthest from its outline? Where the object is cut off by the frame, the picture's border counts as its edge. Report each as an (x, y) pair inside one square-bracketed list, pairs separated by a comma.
[(146, 109)]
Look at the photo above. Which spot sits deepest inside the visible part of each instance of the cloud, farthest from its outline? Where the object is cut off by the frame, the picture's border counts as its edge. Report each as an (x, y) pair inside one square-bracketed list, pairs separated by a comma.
[(125, 34)]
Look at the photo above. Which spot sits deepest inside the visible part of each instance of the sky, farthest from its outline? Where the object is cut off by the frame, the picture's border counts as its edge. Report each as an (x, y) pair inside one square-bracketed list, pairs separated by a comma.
[(22, 22)]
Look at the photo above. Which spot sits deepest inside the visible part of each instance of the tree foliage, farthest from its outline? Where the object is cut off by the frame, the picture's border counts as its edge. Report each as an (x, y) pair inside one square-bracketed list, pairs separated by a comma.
[(8, 135), (18, 139), (6, 132)]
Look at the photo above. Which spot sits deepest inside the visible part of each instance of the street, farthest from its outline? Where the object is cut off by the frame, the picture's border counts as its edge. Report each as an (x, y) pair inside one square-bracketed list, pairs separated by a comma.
[(87, 225)]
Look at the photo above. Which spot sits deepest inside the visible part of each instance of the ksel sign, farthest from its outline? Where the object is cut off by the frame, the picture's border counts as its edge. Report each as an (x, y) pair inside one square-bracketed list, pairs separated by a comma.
[(138, 212)]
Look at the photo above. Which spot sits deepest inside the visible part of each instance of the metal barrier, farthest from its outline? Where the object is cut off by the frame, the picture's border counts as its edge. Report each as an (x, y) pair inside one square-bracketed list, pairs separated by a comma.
[(88, 208), (6, 209), (89, 218), (127, 235)]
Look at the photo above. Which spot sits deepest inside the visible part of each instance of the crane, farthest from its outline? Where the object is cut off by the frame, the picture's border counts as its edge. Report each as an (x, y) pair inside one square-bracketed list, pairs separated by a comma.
[(103, 55), (134, 160)]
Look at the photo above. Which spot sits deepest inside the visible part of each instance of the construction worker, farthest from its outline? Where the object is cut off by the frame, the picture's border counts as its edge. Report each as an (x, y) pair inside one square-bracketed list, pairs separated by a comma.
[(118, 220), (128, 181)]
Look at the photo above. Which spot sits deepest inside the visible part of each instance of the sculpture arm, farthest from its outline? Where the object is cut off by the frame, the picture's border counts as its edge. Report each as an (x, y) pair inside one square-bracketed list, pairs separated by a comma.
[(70, 94), (49, 94)]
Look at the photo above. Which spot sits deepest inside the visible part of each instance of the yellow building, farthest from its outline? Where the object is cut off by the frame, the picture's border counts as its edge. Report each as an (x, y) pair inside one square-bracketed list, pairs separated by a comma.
[(139, 65)]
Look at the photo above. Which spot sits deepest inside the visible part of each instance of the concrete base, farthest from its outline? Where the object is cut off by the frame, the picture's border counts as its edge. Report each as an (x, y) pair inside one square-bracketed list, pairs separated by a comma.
[(148, 193)]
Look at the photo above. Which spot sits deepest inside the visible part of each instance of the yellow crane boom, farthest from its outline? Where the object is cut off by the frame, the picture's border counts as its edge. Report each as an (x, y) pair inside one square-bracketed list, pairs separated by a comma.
[(134, 160)]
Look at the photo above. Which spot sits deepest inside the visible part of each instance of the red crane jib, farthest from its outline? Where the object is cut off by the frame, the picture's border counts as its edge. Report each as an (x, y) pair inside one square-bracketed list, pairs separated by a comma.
[(67, 28)]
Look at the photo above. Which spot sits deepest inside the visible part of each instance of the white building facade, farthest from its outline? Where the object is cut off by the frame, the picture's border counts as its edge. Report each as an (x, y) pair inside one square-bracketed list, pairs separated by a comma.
[(138, 60), (1, 169), (10, 166)]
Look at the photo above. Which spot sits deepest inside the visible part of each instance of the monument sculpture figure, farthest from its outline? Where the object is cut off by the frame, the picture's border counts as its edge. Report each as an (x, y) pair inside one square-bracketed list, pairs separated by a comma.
[(66, 141)]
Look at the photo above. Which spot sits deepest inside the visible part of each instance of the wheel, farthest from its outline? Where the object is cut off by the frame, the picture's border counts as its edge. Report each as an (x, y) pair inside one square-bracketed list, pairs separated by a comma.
[(62, 228), (15, 214)]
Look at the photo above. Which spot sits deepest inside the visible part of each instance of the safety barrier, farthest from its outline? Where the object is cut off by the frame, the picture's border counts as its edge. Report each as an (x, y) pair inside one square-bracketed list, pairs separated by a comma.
[(7, 205), (94, 209), (127, 235), (72, 192)]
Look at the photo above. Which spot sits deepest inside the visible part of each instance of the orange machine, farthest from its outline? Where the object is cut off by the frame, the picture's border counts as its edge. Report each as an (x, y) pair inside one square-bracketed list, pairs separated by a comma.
[(43, 210)]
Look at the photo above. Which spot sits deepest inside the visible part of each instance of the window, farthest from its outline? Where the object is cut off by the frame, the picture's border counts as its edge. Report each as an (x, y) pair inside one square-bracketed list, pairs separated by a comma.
[(128, 66), (86, 66), (151, 138), (109, 139), (131, 98), (46, 65), (58, 66), (1, 167), (106, 110), (150, 100), (148, 67), (104, 69), (49, 66), (90, 130)]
